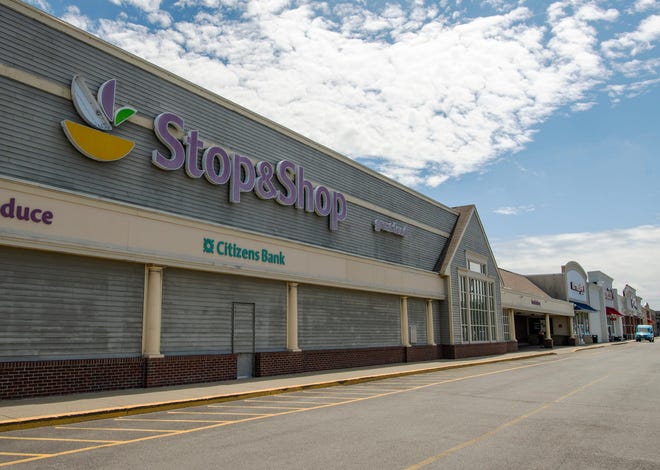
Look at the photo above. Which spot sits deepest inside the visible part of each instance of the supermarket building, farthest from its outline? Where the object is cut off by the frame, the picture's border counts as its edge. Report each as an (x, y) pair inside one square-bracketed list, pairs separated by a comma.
[(193, 240)]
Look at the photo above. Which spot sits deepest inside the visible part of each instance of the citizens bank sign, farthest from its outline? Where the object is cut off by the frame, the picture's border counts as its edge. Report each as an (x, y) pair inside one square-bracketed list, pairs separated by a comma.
[(283, 182)]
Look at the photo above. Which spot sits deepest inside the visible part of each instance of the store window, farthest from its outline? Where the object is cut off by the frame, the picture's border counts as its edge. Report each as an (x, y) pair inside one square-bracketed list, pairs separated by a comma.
[(581, 324), (477, 303), (506, 330)]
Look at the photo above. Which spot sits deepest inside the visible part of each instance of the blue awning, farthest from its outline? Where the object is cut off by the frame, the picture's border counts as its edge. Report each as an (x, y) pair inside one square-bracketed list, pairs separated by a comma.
[(581, 306)]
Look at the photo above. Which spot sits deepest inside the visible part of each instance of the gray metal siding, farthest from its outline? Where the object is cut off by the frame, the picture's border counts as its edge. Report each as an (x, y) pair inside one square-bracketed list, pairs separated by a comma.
[(35, 149), (330, 318), (417, 318), (474, 240), (197, 311), (56, 306)]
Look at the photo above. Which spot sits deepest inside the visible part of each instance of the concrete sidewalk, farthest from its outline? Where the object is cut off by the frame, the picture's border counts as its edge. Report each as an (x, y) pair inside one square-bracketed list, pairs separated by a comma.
[(46, 411)]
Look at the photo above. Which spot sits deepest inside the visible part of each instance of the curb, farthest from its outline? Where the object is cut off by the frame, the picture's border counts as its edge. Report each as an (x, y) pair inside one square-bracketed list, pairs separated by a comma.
[(89, 415)]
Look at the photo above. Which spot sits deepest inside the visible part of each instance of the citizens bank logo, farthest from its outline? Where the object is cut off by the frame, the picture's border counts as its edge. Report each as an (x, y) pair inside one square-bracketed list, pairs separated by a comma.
[(95, 142)]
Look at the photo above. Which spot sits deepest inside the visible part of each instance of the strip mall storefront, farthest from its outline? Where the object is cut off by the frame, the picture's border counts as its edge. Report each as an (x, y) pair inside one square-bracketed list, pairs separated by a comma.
[(535, 318), (153, 233)]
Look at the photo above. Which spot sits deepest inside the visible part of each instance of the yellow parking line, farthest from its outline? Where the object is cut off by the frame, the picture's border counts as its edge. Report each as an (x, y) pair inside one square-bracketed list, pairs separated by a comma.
[(501, 427), (173, 420), (114, 429), (216, 413), (22, 454), (21, 438), (290, 402), (262, 416), (257, 407)]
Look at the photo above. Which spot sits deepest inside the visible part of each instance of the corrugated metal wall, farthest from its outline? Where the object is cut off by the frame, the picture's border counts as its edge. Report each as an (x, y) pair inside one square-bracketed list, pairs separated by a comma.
[(197, 311), (56, 306), (339, 318), (41, 153), (417, 319)]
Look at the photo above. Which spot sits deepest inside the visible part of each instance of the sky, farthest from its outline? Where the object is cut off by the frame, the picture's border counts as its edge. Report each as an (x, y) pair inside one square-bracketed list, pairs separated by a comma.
[(545, 115)]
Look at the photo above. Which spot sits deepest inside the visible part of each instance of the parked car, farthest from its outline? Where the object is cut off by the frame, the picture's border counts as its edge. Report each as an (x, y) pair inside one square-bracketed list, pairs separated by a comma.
[(644, 332)]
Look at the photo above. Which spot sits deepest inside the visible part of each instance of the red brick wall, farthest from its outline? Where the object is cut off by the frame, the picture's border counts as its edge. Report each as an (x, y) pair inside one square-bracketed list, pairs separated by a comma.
[(278, 363), (459, 351), (41, 378), (422, 353), (178, 370)]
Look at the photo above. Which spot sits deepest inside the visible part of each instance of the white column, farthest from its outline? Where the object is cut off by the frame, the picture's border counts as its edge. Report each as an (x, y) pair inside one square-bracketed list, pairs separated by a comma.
[(570, 327), (153, 312), (512, 325), (292, 317), (430, 334), (547, 327), (405, 340)]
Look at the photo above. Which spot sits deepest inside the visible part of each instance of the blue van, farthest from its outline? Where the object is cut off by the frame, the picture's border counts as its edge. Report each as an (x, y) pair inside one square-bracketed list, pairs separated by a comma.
[(644, 332)]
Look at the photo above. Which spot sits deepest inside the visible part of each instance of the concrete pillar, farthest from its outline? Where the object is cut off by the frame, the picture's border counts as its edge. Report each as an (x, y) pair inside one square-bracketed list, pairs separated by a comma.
[(292, 317), (571, 327), (430, 334), (153, 312), (548, 335), (405, 340), (512, 325)]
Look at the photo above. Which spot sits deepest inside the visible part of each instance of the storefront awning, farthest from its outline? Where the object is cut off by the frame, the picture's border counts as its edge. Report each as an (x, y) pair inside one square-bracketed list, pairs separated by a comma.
[(581, 306), (613, 312)]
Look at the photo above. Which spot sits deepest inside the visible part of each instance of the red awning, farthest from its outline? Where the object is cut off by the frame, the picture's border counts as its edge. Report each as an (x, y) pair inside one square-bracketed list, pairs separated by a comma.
[(613, 312)]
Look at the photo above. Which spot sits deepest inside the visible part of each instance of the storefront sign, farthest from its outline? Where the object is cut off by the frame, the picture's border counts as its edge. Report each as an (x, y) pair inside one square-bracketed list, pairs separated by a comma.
[(233, 250), (536, 302), (391, 227), (15, 210), (219, 167), (609, 295), (284, 182), (579, 288)]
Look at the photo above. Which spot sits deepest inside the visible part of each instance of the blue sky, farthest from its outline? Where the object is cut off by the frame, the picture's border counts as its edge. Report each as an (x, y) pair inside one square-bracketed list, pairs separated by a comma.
[(542, 114)]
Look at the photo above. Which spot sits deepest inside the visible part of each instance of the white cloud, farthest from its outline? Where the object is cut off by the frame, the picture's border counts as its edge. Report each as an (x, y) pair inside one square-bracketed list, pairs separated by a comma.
[(635, 42), (630, 256), (644, 5), (146, 5), (421, 96), (514, 210), (41, 4), (584, 106)]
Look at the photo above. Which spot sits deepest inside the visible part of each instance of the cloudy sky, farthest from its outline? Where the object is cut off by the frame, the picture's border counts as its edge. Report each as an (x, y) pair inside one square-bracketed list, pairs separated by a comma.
[(545, 115)]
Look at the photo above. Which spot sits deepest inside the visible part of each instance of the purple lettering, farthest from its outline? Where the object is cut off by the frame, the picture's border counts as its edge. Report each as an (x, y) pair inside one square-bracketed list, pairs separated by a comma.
[(212, 154), (339, 210), (177, 157), (285, 171), (34, 216), (321, 201), (263, 186), (305, 199), (193, 145), (47, 217), (238, 184), (22, 213), (7, 210)]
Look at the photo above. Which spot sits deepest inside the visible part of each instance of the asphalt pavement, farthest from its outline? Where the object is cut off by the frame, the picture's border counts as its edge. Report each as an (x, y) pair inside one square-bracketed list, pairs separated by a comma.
[(51, 410)]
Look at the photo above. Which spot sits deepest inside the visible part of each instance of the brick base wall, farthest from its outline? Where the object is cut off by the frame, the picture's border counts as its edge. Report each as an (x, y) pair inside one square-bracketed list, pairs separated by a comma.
[(278, 363), (460, 351), (179, 370), (41, 378), (423, 353)]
